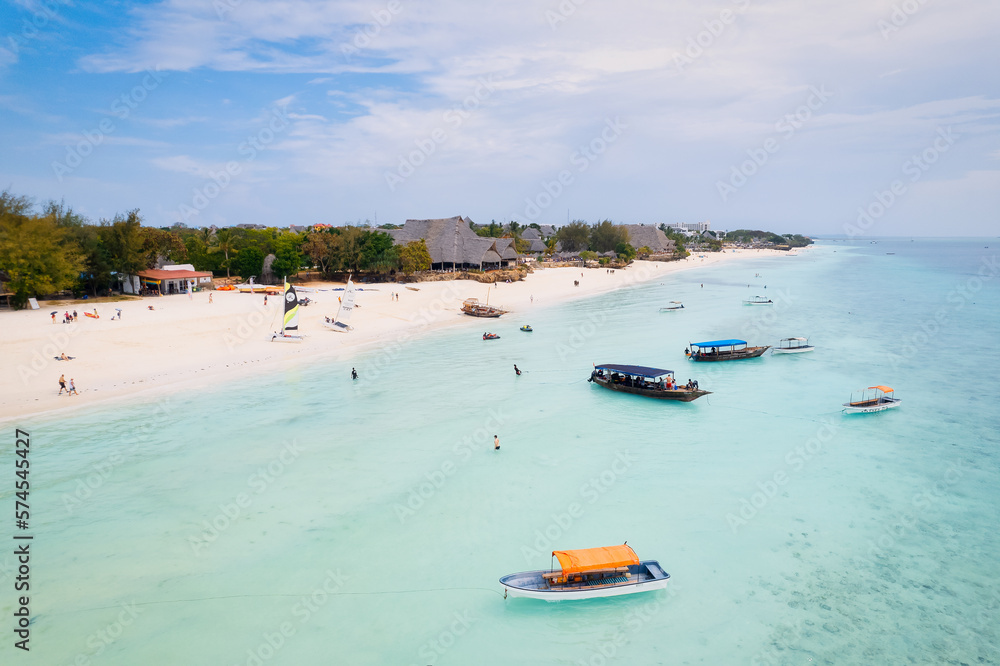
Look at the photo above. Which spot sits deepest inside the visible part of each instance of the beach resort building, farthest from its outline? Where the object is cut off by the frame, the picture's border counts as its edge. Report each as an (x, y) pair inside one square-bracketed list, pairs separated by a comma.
[(453, 245), (641, 235), (167, 280)]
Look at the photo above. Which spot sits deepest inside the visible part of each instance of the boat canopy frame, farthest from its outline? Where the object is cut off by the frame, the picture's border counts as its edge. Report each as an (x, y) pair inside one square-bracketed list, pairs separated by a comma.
[(635, 370), (718, 343)]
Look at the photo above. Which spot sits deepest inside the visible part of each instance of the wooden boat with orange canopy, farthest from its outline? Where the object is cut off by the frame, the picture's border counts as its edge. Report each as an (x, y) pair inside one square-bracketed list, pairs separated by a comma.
[(588, 574), (873, 399)]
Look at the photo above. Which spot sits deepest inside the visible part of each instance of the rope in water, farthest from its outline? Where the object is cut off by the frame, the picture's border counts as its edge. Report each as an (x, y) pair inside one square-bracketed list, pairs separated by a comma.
[(281, 596)]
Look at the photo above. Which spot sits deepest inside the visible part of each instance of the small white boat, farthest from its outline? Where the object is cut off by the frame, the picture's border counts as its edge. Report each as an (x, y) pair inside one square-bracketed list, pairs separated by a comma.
[(339, 321), (758, 300), (290, 320), (589, 573), (673, 305), (873, 399), (792, 346)]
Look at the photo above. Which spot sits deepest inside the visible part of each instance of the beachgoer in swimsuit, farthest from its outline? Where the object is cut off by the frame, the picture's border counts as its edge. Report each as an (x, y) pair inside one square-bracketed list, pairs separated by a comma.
[(62, 383), (72, 388), (496, 443)]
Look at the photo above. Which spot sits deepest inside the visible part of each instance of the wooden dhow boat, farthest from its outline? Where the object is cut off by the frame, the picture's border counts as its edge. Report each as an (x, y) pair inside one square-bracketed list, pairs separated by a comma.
[(589, 573), (473, 308), (643, 380), (793, 346), (873, 399), (723, 350)]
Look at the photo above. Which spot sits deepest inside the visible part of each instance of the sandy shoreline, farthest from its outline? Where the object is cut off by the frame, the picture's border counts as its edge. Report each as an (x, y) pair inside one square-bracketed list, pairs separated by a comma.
[(186, 342)]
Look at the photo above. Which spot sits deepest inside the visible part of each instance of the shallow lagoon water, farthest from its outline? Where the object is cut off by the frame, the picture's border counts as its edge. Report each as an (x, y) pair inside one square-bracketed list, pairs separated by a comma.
[(303, 518)]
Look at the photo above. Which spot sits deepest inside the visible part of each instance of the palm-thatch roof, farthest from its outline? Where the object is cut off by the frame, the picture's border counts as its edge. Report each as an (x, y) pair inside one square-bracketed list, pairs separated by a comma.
[(452, 244), (648, 236)]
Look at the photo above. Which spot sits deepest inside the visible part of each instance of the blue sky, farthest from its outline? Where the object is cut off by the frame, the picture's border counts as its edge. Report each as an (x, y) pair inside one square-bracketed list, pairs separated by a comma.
[(868, 117)]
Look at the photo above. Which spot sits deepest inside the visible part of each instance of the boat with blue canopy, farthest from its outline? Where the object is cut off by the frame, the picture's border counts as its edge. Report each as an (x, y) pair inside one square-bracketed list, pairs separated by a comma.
[(723, 350), (588, 573), (646, 381)]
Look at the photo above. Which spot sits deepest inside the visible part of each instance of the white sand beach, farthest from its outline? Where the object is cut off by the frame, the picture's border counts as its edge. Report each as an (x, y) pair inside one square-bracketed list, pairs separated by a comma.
[(186, 340)]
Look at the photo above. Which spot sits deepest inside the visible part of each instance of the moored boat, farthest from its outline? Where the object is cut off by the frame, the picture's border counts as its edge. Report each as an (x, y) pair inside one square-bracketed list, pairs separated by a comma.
[(527, 329), (723, 350), (758, 300), (672, 306), (793, 346), (490, 336), (646, 381), (339, 321), (589, 573), (473, 308), (872, 399)]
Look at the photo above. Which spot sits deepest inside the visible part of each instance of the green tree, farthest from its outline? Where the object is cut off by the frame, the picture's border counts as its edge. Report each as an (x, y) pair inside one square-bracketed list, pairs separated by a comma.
[(588, 255), (248, 262), (378, 254), (605, 236), (414, 257), (224, 242), (37, 254), (157, 244), (122, 239), (625, 251), (319, 247), (574, 236)]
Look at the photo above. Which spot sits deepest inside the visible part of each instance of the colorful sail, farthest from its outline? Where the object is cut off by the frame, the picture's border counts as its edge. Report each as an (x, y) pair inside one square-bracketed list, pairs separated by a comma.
[(291, 321)]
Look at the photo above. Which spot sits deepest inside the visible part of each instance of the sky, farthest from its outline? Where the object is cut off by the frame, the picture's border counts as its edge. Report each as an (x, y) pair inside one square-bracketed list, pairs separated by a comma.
[(857, 117)]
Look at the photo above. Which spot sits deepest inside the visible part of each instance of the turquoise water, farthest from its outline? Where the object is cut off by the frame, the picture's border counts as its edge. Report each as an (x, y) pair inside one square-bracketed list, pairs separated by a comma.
[(305, 519)]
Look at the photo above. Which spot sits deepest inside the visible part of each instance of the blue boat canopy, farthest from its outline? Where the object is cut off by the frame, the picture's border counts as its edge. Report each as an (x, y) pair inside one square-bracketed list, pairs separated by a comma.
[(719, 343), (639, 370)]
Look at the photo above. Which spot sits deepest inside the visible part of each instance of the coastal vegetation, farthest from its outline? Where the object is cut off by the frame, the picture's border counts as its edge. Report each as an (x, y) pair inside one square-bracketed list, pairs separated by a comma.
[(758, 237)]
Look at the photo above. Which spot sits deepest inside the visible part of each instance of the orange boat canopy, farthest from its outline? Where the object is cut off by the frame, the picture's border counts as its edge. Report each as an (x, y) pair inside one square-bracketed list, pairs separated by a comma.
[(595, 559), (884, 389)]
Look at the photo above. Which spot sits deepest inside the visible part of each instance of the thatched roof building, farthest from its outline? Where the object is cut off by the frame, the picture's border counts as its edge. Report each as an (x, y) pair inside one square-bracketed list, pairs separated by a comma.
[(454, 246), (649, 236)]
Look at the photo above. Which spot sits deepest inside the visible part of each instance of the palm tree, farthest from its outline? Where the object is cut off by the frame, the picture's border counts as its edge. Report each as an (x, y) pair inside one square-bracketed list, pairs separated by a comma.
[(224, 243), (205, 236)]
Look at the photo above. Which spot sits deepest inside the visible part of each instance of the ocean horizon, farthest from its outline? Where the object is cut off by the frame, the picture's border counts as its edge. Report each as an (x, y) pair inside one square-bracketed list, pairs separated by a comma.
[(300, 517)]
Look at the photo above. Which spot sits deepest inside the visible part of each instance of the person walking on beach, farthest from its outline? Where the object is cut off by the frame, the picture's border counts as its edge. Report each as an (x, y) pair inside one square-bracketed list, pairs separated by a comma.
[(72, 388), (210, 298), (496, 443), (265, 300), (53, 316), (62, 383)]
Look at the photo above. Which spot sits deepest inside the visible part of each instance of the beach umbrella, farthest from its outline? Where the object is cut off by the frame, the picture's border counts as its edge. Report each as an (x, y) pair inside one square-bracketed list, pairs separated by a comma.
[(54, 312)]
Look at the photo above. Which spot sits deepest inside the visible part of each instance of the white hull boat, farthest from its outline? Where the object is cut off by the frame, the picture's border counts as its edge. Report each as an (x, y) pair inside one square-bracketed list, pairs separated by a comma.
[(793, 346), (758, 300), (672, 306), (590, 573), (873, 399)]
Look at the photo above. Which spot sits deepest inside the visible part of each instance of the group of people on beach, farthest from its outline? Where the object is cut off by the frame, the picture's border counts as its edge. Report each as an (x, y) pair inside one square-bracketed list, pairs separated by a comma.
[(67, 317), (393, 295), (70, 388)]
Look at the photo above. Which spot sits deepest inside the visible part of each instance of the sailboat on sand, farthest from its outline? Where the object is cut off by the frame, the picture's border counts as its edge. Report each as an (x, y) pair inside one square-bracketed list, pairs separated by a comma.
[(290, 320), (339, 322)]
